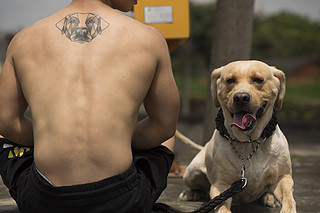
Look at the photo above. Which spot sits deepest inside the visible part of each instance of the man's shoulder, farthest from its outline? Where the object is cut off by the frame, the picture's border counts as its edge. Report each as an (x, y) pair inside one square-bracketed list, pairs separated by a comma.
[(31, 35), (29, 31), (147, 35), (147, 30), (154, 33)]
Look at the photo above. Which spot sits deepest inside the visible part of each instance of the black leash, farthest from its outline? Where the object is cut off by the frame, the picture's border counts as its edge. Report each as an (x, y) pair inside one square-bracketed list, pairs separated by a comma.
[(235, 188)]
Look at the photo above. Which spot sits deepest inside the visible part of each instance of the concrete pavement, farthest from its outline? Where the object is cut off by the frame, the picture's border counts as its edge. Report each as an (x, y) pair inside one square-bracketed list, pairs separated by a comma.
[(305, 152)]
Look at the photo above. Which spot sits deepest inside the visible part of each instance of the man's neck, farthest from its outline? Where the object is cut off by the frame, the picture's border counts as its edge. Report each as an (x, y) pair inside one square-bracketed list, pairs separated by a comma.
[(92, 2)]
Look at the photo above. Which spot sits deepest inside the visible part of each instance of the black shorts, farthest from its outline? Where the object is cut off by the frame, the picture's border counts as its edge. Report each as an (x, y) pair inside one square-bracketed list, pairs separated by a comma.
[(134, 190)]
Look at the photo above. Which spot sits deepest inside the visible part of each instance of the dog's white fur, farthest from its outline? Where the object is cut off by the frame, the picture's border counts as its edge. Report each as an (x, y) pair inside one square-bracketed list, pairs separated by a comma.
[(217, 166)]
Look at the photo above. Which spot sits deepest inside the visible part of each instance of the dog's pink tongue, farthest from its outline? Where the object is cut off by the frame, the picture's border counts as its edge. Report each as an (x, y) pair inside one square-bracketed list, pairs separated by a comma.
[(243, 119)]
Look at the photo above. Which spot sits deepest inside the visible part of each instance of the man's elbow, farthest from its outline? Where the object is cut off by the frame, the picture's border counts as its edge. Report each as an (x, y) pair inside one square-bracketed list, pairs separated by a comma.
[(171, 124), (168, 129), (168, 133)]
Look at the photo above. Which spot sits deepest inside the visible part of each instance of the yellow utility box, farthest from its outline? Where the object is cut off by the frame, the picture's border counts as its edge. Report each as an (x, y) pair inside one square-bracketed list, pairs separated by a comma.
[(171, 17)]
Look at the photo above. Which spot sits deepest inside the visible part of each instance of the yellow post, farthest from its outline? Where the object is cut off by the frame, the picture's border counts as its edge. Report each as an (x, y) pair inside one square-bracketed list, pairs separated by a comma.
[(170, 17)]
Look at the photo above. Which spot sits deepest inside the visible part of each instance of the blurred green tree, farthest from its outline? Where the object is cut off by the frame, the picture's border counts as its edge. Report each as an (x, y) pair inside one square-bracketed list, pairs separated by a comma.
[(285, 35)]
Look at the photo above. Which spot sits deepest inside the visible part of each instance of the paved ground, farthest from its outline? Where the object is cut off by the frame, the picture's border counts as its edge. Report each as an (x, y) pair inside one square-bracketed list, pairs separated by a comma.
[(305, 151)]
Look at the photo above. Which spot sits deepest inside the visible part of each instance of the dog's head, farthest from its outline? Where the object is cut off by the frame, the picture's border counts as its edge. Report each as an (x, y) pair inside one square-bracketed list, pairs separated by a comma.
[(247, 92), (82, 27)]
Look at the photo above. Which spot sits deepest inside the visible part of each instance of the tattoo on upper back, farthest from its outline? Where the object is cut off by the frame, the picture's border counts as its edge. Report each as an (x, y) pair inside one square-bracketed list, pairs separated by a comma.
[(82, 27)]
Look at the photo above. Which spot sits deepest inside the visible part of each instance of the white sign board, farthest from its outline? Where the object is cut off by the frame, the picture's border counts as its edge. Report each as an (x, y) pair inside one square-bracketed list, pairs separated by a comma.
[(158, 14)]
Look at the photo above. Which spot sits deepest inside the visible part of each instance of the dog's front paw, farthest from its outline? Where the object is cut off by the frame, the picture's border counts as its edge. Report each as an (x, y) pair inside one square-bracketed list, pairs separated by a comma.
[(288, 207), (269, 200), (194, 195)]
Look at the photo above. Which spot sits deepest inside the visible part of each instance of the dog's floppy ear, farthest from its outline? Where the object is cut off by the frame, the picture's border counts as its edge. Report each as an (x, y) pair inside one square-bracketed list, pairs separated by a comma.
[(282, 90), (215, 75)]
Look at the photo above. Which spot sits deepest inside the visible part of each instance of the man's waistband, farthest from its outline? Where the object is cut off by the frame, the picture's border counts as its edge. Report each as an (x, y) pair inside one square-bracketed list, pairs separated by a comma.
[(83, 194)]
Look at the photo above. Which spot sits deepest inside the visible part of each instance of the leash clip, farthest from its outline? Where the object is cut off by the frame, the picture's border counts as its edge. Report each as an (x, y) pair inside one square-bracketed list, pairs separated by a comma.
[(245, 182), (243, 168)]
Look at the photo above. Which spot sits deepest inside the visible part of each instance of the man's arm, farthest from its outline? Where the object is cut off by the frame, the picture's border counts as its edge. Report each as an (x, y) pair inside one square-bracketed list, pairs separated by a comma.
[(162, 105), (13, 125)]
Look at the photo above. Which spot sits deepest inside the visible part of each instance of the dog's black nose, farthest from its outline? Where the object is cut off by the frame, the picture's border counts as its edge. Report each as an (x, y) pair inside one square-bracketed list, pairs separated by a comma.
[(241, 98)]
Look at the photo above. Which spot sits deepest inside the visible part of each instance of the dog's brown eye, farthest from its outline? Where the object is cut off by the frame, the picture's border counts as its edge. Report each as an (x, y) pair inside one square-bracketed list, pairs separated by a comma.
[(231, 81), (258, 80)]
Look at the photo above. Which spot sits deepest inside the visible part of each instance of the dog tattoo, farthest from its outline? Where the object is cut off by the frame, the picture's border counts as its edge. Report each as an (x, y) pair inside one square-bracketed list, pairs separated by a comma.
[(82, 27)]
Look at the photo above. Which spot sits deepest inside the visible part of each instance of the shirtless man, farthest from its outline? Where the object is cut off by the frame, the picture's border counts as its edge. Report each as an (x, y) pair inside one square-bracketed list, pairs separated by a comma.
[(84, 72)]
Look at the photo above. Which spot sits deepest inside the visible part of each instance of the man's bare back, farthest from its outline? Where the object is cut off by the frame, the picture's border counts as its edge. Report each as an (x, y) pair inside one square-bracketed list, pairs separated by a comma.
[(84, 90)]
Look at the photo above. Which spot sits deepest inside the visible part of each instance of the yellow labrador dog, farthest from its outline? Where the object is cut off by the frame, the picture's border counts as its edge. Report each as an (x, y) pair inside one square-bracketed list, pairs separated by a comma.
[(247, 143)]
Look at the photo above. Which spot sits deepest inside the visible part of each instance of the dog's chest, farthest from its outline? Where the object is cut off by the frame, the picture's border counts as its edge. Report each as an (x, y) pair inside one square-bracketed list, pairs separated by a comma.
[(261, 174), (260, 169)]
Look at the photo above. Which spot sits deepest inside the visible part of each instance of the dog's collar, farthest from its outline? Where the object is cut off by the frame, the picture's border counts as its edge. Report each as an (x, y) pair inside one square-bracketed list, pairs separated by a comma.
[(267, 132)]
